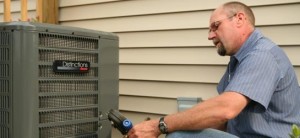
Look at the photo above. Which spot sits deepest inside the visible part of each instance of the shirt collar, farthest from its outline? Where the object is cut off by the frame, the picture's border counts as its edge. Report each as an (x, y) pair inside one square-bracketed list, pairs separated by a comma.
[(248, 45)]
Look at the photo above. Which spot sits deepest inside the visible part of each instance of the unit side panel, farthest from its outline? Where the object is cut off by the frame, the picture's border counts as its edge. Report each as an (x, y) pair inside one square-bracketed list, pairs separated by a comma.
[(25, 83), (109, 81)]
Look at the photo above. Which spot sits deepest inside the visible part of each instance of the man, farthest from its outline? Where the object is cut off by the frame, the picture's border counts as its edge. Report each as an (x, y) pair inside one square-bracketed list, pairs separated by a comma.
[(259, 92)]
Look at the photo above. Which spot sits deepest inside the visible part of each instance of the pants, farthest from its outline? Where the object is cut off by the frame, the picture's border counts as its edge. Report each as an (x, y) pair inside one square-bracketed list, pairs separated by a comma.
[(205, 133)]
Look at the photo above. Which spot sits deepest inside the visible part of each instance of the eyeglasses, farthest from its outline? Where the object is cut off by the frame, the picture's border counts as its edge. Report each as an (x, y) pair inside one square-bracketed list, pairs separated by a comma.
[(215, 25)]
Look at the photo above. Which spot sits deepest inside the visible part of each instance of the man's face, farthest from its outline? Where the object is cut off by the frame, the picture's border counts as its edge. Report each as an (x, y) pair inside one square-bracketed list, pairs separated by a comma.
[(221, 33)]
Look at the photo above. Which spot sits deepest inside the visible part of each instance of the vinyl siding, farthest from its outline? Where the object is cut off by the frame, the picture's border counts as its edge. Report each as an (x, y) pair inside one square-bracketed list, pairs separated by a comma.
[(164, 51)]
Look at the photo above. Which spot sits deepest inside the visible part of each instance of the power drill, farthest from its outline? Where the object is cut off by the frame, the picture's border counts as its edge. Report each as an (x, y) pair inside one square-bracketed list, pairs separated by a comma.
[(119, 121)]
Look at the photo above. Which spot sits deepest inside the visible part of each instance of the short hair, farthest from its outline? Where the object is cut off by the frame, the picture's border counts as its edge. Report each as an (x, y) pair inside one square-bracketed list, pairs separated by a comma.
[(235, 6)]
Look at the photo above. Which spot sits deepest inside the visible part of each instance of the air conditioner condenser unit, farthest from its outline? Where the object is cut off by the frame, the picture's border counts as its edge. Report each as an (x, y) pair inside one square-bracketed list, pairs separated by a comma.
[(56, 81)]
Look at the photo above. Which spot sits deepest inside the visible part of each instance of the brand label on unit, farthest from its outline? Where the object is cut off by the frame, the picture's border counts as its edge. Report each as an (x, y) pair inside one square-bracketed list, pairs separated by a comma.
[(71, 66)]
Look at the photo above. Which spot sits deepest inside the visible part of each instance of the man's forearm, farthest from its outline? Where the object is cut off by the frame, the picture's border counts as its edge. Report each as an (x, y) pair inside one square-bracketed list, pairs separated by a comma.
[(196, 118), (211, 113)]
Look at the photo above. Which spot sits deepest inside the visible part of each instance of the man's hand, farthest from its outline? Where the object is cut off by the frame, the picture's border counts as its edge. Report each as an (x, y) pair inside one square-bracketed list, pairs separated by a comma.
[(146, 129)]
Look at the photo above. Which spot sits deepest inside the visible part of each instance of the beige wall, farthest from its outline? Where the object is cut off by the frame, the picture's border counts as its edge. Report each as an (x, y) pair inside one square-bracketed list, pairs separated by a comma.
[(164, 51)]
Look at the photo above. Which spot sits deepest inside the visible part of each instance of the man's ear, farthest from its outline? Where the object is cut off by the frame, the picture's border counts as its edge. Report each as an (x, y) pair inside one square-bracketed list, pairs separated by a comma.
[(241, 19)]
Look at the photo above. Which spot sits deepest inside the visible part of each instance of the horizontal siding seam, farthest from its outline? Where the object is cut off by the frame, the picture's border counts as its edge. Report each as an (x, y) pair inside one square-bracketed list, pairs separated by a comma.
[(152, 97), (93, 3), (150, 113), (162, 13), (153, 80)]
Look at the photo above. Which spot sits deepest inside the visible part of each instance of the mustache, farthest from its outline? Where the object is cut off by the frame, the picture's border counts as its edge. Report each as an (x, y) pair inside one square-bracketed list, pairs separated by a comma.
[(216, 41)]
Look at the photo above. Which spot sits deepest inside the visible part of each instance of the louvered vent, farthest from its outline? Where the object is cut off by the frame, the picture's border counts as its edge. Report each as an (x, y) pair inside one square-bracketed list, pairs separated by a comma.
[(5, 93), (68, 102), (4, 39)]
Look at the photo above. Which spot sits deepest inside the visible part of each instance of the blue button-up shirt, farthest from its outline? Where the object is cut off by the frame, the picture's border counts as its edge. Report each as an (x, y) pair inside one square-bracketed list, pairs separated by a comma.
[(261, 71)]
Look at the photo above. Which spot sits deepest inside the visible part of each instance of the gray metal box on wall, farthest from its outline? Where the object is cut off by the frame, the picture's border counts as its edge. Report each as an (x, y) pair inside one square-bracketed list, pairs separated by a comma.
[(185, 103), (56, 81)]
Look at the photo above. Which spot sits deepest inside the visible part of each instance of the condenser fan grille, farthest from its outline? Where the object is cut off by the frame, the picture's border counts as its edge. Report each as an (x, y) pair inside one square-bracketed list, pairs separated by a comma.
[(67, 100)]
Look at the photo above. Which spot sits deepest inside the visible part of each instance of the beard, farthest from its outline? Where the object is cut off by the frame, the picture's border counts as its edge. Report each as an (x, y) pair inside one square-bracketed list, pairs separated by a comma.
[(221, 50), (220, 47)]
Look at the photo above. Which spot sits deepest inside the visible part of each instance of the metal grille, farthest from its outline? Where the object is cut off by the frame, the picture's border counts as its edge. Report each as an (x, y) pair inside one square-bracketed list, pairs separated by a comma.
[(48, 86), (4, 132), (4, 54), (4, 85), (67, 101), (4, 117), (4, 38), (4, 70), (4, 102), (66, 115), (63, 41), (69, 130), (51, 55)]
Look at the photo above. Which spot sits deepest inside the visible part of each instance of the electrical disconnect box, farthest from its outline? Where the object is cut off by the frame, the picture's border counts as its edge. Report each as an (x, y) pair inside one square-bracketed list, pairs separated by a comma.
[(56, 81)]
